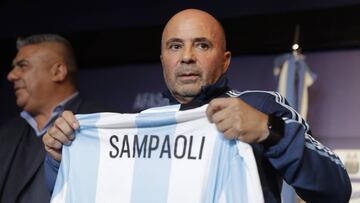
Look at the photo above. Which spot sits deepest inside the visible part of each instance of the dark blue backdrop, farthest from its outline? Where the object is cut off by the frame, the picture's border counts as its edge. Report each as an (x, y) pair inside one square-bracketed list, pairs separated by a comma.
[(334, 115)]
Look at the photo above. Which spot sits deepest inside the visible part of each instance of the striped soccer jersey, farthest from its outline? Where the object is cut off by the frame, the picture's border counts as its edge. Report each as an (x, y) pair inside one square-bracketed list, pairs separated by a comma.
[(158, 155)]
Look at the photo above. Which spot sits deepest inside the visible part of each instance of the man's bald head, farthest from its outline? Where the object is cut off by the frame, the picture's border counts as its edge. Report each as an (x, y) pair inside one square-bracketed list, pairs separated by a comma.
[(196, 17), (193, 53)]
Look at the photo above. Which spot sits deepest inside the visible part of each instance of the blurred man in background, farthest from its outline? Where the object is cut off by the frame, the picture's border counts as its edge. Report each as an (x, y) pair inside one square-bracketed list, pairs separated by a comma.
[(43, 74)]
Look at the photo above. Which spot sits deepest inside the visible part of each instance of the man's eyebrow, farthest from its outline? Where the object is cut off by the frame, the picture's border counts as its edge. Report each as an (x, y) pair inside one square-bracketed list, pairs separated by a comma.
[(197, 39), (202, 39), (171, 40), (19, 62)]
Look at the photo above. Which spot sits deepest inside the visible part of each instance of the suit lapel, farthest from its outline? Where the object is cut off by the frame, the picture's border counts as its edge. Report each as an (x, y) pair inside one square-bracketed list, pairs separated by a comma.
[(10, 136), (27, 159)]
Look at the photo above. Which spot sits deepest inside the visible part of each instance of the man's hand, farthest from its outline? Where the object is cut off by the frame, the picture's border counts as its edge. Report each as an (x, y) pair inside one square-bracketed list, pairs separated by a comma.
[(238, 120), (61, 133)]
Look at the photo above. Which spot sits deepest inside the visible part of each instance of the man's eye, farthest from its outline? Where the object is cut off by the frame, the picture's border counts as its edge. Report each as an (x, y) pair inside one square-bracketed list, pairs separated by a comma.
[(20, 65), (204, 46), (175, 46)]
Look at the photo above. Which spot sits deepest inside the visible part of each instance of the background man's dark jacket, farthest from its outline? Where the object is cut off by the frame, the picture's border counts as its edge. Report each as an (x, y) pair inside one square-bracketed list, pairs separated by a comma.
[(22, 154)]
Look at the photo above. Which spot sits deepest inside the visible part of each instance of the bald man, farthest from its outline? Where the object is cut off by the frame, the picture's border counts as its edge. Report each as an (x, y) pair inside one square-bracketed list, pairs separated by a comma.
[(195, 59), (43, 74)]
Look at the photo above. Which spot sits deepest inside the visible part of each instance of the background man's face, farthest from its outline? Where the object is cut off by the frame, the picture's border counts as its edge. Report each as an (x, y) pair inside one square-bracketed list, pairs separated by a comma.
[(31, 77), (192, 56)]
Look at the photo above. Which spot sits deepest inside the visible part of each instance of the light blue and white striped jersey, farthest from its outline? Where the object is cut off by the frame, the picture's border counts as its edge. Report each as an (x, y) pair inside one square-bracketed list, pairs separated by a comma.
[(159, 155), (294, 78)]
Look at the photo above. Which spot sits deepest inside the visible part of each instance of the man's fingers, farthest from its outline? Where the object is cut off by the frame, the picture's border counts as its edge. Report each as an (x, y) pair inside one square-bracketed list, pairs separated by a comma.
[(230, 134), (60, 129), (221, 115), (51, 142), (214, 106), (222, 102), (55, 154), (52, 145), (69, 117), (223, 126), (62, 132)]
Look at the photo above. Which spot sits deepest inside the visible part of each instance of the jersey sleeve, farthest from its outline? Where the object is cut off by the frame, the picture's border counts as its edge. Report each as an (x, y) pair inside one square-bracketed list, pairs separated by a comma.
[(315, 172)]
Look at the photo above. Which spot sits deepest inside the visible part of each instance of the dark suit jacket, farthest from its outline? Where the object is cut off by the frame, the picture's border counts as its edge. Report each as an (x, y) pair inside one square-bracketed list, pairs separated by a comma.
[(22, 156)]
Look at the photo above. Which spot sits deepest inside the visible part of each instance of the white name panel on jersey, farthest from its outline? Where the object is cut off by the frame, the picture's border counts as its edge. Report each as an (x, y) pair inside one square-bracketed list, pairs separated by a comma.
[(159, 155)]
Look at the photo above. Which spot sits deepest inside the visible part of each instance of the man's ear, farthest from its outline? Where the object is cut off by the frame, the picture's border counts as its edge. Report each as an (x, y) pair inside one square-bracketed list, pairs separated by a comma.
[(227, 59), (59, 72)]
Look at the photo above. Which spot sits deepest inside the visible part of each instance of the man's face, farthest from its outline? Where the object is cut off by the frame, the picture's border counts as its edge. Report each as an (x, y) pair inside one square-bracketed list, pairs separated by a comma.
[(192, 55), (31, 77)]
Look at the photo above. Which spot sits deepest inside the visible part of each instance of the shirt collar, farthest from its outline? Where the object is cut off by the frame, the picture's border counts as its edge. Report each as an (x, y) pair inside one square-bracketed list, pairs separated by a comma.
[(55, 113), (206, 93)]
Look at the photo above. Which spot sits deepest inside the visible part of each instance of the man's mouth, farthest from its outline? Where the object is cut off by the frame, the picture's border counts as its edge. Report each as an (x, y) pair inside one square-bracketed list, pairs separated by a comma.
[(188, 77), (17, 89)]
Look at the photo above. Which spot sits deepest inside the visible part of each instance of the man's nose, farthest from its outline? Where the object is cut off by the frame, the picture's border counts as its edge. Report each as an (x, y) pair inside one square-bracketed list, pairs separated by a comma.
[(13, 75), (188, 56)]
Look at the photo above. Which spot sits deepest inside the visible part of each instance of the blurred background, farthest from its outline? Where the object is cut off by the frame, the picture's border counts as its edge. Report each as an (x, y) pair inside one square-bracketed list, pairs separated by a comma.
[(117, 45)]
